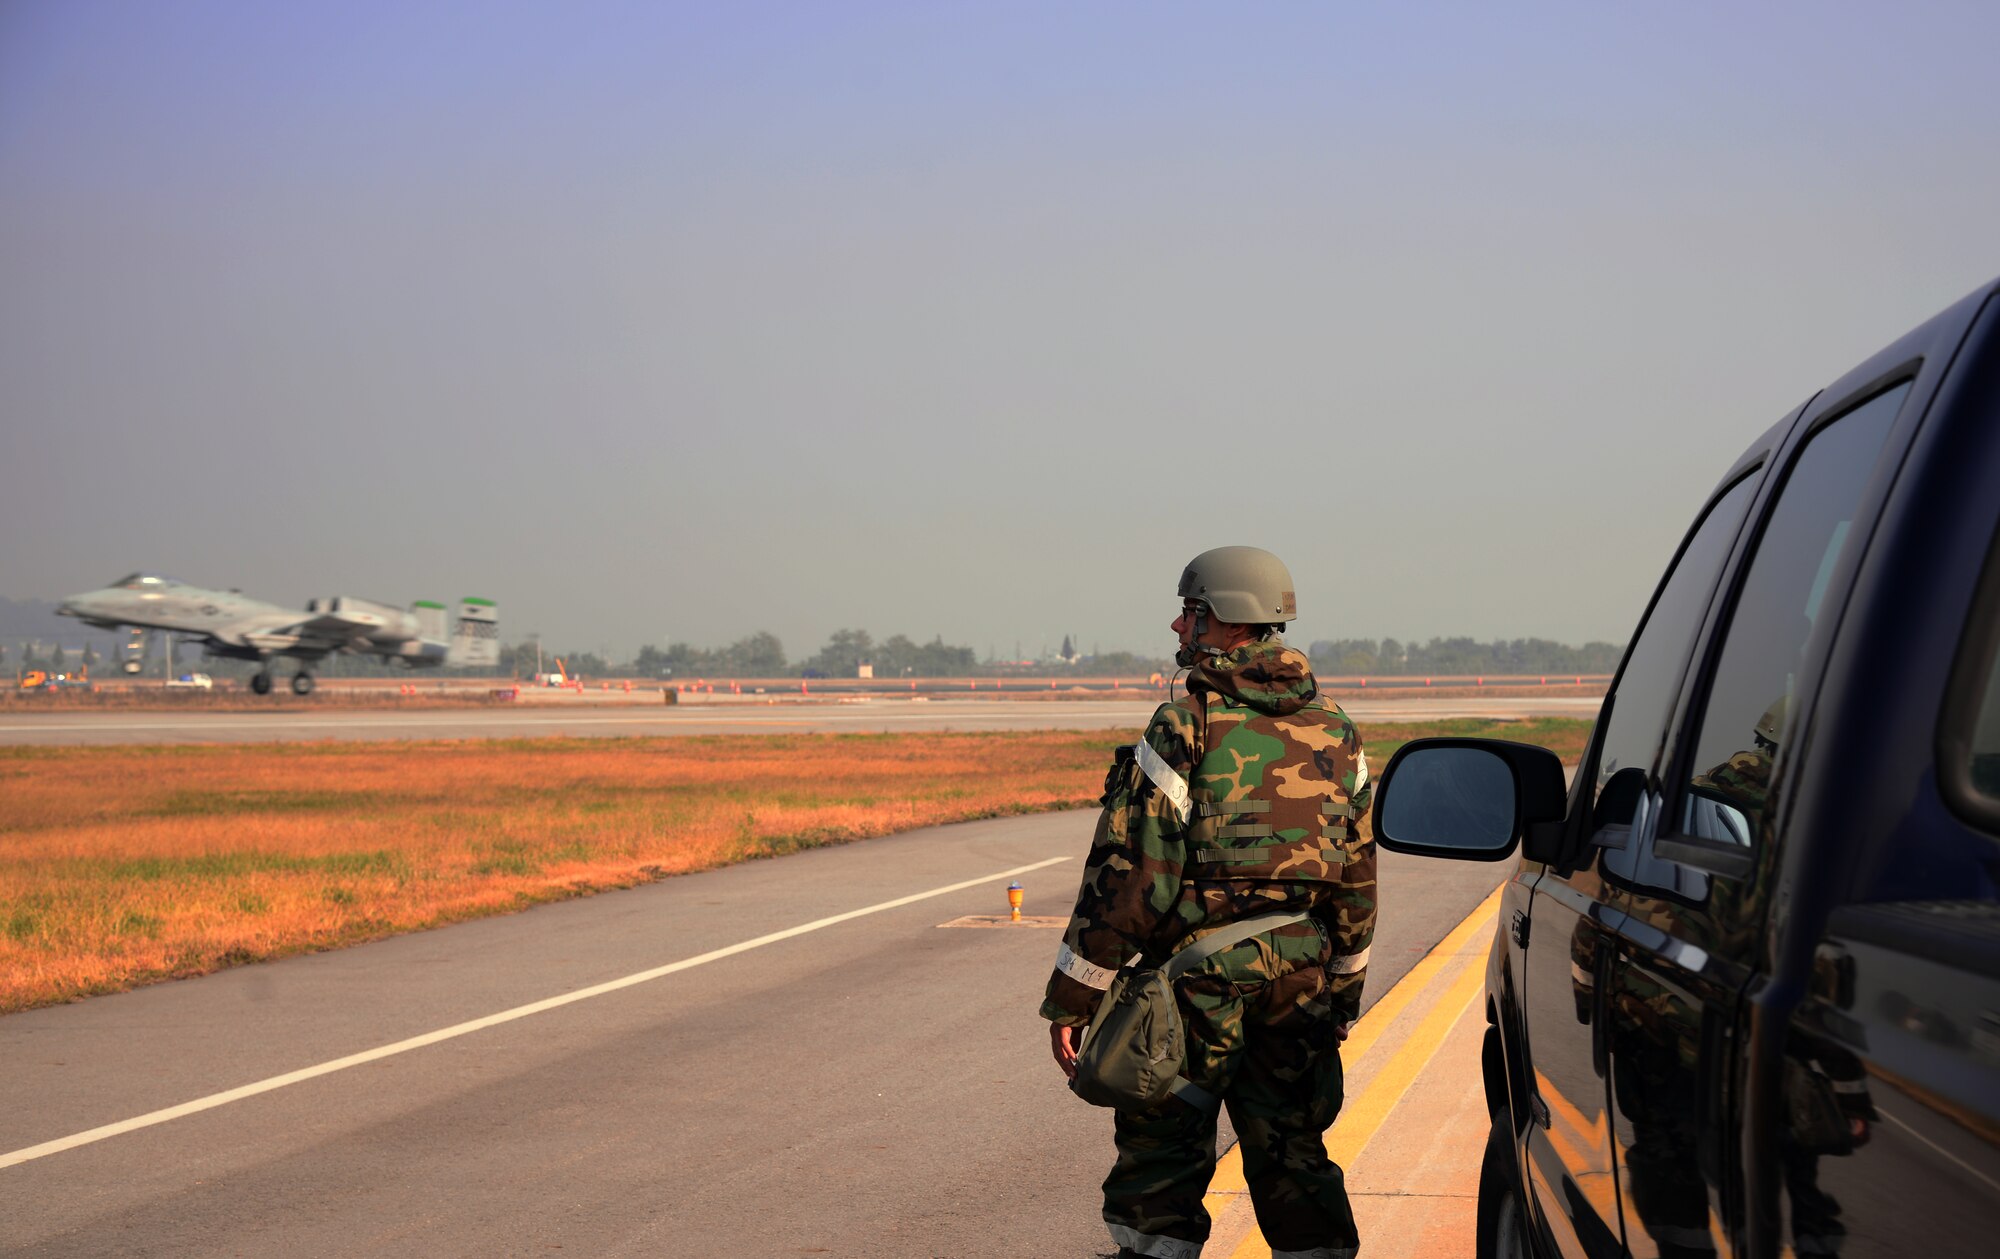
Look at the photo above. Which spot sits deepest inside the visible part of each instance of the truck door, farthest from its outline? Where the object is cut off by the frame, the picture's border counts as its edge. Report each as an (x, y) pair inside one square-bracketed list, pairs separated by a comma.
[(1691, 895), (1569, 1166), (1889, 1087)]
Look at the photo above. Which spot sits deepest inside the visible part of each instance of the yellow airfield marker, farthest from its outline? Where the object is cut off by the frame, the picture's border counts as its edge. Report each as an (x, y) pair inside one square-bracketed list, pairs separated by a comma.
[(1014, 894), (1363, 1115)]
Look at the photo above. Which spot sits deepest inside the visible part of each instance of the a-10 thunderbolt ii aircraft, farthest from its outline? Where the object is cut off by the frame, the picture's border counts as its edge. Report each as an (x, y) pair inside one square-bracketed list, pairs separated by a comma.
[(230, 624)]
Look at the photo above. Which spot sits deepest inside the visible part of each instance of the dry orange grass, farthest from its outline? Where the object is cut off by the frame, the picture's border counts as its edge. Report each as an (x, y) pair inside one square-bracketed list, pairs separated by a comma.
[(123, 865)]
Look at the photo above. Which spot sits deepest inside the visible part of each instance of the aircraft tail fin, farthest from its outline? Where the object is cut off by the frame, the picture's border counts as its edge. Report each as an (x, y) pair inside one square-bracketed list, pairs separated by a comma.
[(477, 642), (431, 625)]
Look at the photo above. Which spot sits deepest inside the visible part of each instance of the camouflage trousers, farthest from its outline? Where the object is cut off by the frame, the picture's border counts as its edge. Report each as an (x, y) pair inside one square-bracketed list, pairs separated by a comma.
[(1270, 1050)]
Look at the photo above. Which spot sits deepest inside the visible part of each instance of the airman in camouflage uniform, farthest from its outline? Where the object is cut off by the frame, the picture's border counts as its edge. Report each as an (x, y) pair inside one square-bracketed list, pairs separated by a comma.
[(1243, 799)]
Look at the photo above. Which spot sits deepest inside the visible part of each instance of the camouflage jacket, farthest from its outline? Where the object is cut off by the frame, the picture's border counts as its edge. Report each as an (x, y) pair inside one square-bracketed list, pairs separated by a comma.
[(1268, 821)]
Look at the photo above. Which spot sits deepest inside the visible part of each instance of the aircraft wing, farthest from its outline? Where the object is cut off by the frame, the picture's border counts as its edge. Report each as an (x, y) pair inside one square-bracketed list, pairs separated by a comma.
[(335, 627), (324, 634)]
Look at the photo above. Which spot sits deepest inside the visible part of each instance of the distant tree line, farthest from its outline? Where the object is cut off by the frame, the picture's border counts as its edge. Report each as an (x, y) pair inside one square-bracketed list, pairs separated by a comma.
[(763, 655), (48, 657), (1460, 656)]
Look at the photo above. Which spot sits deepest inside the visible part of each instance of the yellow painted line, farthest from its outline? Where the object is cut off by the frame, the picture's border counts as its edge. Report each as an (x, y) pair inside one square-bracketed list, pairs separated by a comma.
[(1362, 1118), (1359, 1122), (1418, 980), (1228, 1184)]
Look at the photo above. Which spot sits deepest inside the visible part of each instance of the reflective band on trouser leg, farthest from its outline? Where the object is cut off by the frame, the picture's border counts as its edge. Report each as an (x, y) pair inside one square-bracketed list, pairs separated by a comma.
[(1153, 1244), (1688, 1238), (1089, 974), (1171, 784), (1195, 1095), (1351, 963)]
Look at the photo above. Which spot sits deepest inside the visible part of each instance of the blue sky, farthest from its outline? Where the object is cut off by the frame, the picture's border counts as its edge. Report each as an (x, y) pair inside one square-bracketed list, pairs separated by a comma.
[(673, 321)]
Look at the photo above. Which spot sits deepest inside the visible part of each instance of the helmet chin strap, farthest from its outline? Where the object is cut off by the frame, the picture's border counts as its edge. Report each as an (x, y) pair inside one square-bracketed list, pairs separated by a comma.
[(1190, 654)]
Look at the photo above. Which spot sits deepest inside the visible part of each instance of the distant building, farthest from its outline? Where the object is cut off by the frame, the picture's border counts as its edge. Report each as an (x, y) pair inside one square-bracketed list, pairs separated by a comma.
[(864, 670)]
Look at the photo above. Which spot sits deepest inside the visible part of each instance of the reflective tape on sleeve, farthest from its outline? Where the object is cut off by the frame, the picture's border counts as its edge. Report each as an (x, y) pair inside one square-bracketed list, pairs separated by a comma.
[(1171, 785), (1085, 973), (1351, 963)]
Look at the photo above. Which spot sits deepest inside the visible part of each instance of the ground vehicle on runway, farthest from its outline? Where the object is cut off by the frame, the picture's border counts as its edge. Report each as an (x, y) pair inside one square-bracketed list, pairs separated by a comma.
[(1745, 988)]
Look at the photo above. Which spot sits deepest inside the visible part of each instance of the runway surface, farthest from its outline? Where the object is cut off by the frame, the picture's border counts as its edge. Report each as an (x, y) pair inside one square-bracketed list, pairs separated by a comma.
[(694, 719), (781, 1058)]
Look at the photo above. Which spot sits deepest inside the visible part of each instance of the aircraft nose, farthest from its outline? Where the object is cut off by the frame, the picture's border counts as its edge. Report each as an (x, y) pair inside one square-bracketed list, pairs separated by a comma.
[(66, 608)]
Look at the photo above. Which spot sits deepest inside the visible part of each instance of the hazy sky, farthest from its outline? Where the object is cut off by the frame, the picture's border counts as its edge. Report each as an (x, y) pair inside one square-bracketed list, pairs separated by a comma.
[(682, 321)]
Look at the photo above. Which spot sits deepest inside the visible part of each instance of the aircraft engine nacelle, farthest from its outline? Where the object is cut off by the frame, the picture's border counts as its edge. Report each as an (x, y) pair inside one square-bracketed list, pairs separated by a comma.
[(381, 622), (416, 652)]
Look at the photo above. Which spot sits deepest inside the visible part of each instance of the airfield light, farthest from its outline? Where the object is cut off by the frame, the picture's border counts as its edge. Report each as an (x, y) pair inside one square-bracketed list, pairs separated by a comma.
[(1014, 900)]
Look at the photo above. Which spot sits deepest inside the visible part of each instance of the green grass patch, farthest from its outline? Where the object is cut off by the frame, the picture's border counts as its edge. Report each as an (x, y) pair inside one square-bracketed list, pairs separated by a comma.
[(1565, 736), (212, 867), (223, 804)]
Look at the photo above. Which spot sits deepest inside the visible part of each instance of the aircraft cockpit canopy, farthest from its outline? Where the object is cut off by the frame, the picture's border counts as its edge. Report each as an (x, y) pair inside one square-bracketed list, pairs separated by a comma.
[(146, 581)]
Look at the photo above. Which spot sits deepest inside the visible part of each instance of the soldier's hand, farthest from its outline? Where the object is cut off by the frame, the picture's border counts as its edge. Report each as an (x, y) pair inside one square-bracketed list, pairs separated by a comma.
[(1063, 1042)]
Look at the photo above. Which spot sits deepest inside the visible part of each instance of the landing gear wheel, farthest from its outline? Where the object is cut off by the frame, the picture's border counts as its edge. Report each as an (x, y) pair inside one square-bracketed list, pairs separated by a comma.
[(260, 682), (302, 683)]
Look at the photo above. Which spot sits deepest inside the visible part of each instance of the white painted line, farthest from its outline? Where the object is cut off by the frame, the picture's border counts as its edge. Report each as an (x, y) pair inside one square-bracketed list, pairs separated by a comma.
[(376, 1054), (1968, 1168)]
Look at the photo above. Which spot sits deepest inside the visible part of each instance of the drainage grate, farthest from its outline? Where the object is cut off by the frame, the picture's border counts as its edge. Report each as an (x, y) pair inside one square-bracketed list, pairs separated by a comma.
[(1002, 920)]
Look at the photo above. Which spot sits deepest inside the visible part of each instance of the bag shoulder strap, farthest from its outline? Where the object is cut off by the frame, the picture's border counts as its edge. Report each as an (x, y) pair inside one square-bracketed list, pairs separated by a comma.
[(1216, 941)]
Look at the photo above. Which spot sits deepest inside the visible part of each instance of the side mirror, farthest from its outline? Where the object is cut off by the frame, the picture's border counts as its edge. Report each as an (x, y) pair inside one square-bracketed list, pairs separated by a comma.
[(1469, 799)]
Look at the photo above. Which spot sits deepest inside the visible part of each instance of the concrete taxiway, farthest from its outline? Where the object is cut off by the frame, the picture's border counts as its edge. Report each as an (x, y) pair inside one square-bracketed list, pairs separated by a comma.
[(528, 721), (784, 1057)]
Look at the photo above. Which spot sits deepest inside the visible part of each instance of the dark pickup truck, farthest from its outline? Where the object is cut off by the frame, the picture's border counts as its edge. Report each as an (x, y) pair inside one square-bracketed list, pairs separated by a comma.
[(1744, 996)]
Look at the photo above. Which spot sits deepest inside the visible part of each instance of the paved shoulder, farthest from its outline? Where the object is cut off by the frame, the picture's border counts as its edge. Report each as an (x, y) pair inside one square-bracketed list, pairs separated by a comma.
[(873, 1085)]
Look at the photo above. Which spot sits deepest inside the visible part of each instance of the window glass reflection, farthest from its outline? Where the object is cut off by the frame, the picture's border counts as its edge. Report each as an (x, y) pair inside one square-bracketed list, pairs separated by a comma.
[(1652, 676), (1986, 738), (1781, 600)]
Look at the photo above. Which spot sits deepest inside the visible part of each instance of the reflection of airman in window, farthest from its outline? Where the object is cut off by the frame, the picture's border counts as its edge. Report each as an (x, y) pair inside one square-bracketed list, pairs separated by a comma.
[(1727, 802), (1827, 1107)]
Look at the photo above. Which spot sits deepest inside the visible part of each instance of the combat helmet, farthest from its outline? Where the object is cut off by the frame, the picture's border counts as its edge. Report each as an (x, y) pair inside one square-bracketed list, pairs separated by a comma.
[(1772, 721), (1245, 585)]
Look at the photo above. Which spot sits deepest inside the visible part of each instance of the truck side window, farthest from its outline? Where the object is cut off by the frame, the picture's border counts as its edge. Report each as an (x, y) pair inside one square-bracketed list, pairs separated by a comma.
[(1652, 674), (1986, 739), (1743, 726)]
